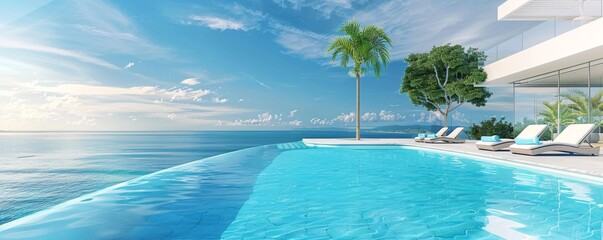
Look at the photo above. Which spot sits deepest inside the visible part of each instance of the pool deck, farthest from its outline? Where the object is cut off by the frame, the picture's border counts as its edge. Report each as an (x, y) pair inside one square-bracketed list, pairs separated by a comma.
[(588, 166)]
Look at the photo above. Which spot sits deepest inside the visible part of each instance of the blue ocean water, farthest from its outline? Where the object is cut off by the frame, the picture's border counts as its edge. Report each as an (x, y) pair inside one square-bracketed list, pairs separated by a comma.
[(291, 191), (41, 169)]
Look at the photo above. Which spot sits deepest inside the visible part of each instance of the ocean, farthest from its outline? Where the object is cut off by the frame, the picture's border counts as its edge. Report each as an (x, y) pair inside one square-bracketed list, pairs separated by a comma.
[(42, 169)]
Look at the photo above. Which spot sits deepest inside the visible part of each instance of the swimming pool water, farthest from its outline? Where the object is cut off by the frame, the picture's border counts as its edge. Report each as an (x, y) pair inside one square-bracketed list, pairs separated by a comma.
[(41, 169), (293, 192)]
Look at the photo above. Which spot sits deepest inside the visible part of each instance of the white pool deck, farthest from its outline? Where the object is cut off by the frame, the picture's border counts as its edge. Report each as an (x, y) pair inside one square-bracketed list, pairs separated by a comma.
[(590, 167)]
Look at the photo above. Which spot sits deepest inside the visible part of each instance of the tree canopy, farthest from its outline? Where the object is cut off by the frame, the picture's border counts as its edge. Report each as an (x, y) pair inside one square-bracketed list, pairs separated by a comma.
[(445, 78)]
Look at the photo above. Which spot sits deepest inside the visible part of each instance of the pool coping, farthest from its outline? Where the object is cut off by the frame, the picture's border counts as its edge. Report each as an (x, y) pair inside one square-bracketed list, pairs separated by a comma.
[(508, 159)]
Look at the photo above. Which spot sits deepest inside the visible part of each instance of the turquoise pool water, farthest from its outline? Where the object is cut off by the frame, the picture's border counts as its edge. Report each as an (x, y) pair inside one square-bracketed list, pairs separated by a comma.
[(288, 191)]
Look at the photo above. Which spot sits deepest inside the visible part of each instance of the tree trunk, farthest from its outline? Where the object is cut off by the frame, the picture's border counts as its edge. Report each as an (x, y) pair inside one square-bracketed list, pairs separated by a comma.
[(445, 120), (357, 106)]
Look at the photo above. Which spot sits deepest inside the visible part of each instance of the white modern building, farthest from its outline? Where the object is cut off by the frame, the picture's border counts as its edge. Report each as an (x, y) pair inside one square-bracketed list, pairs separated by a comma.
[(559, 60)]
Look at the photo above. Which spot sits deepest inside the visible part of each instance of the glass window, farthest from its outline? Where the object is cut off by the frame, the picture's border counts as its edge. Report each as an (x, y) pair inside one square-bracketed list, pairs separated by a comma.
[(535, 102), (596, 93)]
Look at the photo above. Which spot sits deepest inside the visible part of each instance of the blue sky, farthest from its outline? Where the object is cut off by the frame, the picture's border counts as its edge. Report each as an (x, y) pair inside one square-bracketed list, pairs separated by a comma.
[(218, 65)]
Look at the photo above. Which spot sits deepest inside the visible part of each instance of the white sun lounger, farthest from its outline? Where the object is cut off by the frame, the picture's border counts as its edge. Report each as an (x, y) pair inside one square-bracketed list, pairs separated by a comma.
[(531, 131), (439, 134), (568, 141), (451, 138)]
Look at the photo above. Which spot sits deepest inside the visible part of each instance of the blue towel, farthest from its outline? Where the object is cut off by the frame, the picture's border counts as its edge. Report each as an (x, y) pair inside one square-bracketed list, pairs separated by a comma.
[(422, 135), (431, 136), (528, 141), (494, 138)]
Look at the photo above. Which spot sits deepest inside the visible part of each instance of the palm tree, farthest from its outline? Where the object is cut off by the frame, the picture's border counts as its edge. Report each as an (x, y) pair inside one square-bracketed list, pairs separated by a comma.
[(366, 47), (552, 111), (579, 104)]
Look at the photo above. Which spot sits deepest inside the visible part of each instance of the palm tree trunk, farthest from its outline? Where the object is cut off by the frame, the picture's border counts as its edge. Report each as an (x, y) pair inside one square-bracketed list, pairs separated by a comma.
[(357, 106)]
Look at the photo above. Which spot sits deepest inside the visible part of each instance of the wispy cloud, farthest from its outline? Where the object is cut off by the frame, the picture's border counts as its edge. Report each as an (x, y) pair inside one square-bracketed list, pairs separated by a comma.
[(326, 7), (292, 113), (219, 100), (24, 45), (217, 23), (262, 84), (129, 65), (236, 17), (190, 81), (307, 44)]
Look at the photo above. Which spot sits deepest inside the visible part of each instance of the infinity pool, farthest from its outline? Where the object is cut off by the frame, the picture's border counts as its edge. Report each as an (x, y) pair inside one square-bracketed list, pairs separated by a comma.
[(290, 191)]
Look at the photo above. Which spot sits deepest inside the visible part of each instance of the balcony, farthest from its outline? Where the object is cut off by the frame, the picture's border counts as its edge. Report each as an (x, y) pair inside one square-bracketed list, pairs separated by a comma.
[(567, 36)]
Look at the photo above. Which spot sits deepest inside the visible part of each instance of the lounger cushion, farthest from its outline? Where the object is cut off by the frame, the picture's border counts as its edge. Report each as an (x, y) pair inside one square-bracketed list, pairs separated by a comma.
[(527, 141), (432, 136), (494, 138), (422, 135)]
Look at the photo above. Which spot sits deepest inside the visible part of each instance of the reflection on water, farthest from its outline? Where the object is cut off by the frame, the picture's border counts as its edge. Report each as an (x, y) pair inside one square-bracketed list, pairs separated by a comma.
[(42, 169)]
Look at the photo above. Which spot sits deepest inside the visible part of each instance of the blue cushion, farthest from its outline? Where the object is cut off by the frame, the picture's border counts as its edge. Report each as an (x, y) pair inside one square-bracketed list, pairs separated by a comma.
[(528, 141), (431, 136), (494, 138), (421, 135)]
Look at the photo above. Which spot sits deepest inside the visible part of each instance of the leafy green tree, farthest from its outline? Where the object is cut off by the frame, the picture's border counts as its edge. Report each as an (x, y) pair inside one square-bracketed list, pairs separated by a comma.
[(552, 110), (444, 79), (365, 48), (491, 127), (578, 104)]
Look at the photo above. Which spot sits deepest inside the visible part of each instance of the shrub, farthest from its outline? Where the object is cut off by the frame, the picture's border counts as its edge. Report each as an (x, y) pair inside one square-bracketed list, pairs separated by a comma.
[(491, 127)]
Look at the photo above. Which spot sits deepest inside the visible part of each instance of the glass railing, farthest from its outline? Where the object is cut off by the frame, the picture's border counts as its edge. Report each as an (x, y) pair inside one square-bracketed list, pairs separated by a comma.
[(531, 37)]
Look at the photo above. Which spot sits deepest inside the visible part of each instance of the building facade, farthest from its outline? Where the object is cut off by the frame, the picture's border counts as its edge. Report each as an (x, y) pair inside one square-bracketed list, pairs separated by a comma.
[(554, 70)]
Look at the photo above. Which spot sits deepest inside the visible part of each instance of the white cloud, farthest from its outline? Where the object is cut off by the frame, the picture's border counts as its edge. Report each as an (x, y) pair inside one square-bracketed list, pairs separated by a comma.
[(429, 117), (83, 121), (383, 115), (129, 65), (292, 113), (459, 118), (264, 119), (237, 17), (190, 81), (217, 23), (25, 45), (320, 121), (70, 106), (219, 100), (389, 116), (296, 123), (369, 117), (307, 44), (156, 92), (326, 7), (345, 118)]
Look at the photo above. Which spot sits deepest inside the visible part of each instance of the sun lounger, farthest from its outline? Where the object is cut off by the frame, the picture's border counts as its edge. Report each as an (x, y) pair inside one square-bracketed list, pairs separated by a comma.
[(451, 138), (569, 141), (438, 134), (531, 131)]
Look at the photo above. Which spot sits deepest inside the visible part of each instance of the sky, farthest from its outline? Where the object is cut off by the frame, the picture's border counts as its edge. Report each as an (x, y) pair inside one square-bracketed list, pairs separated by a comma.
[(222, 65)]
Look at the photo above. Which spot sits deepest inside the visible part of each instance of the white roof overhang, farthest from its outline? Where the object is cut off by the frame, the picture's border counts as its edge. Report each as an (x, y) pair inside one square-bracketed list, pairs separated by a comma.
[(549, 9)]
